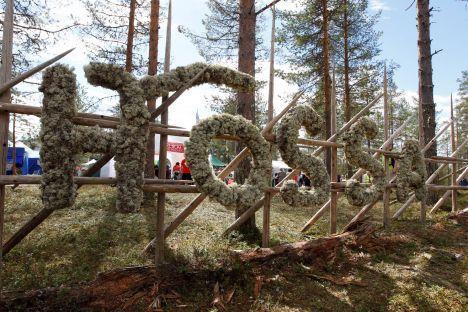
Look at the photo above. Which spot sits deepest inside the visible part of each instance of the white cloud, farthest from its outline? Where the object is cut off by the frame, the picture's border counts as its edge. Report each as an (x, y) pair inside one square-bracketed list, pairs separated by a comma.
[(379, 5)]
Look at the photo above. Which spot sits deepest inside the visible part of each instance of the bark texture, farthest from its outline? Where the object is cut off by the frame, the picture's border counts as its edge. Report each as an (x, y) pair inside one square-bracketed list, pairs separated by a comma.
[(152, 70), (347, 87), (131, 33), (326, 79), (427, 121), (246, 100)]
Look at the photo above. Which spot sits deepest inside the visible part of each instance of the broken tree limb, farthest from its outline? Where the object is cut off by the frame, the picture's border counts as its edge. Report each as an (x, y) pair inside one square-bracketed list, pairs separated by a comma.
[(13, 82), (321, 247)]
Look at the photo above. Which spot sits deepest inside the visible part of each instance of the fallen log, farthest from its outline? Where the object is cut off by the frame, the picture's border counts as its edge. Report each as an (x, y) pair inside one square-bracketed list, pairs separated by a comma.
[(461, 217), (321, 247), (109, 291), (122, 289)]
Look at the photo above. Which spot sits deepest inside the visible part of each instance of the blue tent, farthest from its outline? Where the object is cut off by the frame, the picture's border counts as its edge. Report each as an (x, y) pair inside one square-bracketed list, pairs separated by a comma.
[(34, 166), (22, 160)]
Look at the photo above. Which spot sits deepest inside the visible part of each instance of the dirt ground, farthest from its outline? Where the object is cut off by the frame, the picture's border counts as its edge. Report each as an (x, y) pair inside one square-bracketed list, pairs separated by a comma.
[(408, 267)]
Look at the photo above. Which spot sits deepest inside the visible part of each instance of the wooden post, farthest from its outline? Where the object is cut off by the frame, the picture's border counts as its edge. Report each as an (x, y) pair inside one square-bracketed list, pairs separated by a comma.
[(387, 191), (160, 239), (266, 220), (5, 76), (271, 86), (453, 140), (13, 152), (152, 71), (333, 171), (20, 78), (130, 36)]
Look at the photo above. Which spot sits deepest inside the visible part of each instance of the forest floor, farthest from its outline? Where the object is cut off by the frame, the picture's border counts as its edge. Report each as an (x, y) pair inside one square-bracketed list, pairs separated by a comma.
[(409, 267)]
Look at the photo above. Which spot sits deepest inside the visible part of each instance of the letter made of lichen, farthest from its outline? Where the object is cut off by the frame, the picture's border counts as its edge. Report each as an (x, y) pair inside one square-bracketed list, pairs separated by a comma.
[(287, 134), (156, 86), (57, 151), (132, 132), (61, 140), (411, 173), (242, 196), (353, 139)]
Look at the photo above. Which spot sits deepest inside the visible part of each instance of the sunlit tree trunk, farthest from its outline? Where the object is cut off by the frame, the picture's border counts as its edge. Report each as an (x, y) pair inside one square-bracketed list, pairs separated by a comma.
[(131, 33), (246, 100), (326, 79), (427, 120), (152, 70)]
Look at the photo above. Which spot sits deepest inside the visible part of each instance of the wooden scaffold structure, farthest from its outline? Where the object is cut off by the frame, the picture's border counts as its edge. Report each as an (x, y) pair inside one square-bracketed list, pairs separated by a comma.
[(163, 186)]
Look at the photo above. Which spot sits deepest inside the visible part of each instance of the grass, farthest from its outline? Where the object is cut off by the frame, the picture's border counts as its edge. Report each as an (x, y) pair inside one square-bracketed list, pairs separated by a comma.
[(409, 267)]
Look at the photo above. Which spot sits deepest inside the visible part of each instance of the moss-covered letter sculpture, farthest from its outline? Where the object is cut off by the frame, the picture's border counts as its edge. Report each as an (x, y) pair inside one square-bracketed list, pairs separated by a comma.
[(411, 172), (242, 196), (287, 134), (353, 139), (61, 140), (132, 132)]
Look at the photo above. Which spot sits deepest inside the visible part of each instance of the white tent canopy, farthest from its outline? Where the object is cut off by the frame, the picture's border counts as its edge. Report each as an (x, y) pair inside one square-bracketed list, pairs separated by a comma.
[(279, 165), (175, 154)]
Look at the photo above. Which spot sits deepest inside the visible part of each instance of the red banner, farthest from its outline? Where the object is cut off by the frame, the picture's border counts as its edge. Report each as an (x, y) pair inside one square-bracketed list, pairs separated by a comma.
[(175, 147)]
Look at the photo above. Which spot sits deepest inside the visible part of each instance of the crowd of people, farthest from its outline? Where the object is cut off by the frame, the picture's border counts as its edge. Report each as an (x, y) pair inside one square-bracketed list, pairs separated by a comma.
[(301, 179), (180, 171)]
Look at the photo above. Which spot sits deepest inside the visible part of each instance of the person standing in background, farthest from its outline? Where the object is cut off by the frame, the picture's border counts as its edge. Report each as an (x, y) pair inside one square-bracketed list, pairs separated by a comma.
[(176, 171), (186, 175)]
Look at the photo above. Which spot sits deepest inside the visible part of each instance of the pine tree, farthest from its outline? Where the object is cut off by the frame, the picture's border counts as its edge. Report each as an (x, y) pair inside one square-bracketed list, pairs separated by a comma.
[(152, 70), (427, 107), (231, 29), (338, 33), (34, 29), (461, 111), (118, 32)]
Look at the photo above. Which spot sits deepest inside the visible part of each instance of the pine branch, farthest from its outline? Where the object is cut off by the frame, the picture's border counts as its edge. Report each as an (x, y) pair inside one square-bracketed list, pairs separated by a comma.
[(267, 7)]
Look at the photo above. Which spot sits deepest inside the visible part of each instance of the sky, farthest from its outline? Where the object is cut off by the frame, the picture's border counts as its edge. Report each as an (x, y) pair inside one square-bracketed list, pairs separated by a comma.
[(398, 43)]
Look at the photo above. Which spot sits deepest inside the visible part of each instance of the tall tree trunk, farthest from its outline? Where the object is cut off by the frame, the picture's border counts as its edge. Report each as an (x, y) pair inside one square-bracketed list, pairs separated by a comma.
[(326, 80), (152, 70), (246, 100), (427, 122), (131, 34), (347, 88), (271, 86)]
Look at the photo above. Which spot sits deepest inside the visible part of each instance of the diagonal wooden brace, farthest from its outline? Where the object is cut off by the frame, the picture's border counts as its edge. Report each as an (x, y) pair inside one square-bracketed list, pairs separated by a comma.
[(357, 175), (224, 173), (428, 181), (448, 193), (249, 212), (369, 206)]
